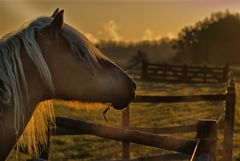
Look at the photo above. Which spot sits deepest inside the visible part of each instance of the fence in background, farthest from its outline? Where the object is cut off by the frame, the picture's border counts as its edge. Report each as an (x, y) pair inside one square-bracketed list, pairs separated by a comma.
[(178, 73)]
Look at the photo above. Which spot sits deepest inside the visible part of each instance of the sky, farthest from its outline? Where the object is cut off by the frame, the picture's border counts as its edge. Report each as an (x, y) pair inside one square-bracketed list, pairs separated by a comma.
[(119, 20)]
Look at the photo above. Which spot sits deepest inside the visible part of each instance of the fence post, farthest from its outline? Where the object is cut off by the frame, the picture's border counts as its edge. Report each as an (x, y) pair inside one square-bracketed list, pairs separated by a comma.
[(144, 73), (205, 71), (125, 124), (225, 72), (165, 70), (207, 133), (229, 121), (185, 73)]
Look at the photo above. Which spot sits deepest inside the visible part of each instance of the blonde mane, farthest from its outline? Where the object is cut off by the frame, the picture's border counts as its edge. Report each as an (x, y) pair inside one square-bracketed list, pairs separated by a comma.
[(12, 73)]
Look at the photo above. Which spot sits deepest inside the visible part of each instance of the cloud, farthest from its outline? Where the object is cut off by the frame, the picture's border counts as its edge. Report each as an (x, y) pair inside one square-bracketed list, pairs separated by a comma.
[(91, 38), (170, 35), (150, 35), (109, 31)]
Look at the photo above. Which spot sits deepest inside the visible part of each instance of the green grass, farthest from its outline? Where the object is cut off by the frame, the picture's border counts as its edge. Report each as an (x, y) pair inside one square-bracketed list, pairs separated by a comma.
[(85, 147)]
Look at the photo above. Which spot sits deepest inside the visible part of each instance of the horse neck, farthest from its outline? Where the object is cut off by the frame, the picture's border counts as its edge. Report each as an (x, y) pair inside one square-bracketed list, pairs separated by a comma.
[(37, 92), (37, 89)]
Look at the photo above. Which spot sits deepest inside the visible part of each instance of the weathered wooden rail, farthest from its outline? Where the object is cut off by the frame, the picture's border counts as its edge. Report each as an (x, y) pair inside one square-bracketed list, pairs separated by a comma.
[(206, 130), (128, 135), (206, 133)]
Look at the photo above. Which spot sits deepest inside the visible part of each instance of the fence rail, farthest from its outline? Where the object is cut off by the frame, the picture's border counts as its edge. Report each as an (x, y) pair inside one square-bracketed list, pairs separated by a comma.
[(185, 146), (206, 133), (178, 99), (160, 130)]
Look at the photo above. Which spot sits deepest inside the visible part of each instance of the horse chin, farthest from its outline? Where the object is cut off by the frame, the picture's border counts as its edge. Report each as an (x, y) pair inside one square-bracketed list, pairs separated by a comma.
[(124, 102), (120, 106)]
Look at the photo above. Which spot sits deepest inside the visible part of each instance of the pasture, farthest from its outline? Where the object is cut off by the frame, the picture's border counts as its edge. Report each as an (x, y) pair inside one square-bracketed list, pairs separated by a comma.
[(84, 147)]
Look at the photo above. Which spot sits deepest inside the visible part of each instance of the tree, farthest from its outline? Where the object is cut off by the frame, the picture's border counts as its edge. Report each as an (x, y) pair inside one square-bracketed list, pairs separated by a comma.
[(215, 40)]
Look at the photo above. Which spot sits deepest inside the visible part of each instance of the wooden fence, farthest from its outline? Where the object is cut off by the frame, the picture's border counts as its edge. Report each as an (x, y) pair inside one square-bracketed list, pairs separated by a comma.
[(229, 98), (206, 130), (179, 73), (206, 133)]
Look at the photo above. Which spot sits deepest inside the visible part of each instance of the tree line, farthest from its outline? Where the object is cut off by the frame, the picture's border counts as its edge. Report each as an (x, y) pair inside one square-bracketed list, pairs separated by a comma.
[(213, 40)]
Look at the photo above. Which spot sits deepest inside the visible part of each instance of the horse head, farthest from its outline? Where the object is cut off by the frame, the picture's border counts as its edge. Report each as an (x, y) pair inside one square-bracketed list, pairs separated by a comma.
[(79, 70)]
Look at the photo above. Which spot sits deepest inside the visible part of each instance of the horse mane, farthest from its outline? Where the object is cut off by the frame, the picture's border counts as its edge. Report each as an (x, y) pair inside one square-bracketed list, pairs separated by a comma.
[(12, 73), (79, 44)]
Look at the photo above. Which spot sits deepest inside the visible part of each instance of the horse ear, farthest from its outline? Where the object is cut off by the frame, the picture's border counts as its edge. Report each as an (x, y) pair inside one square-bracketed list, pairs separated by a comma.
[(57, 22), (55, 26), (55, 13)]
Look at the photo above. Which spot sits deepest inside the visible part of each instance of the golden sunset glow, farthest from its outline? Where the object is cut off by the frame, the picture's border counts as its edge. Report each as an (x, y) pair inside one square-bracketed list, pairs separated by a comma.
[(121, 20), (159, 77)]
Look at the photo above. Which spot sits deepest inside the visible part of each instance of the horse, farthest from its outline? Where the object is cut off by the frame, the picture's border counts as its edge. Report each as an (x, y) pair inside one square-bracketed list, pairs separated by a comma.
[(49, 59)]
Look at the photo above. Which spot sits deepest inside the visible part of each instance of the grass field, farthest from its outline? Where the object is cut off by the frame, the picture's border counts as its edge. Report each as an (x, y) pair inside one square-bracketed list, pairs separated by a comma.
[(86, 147)]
